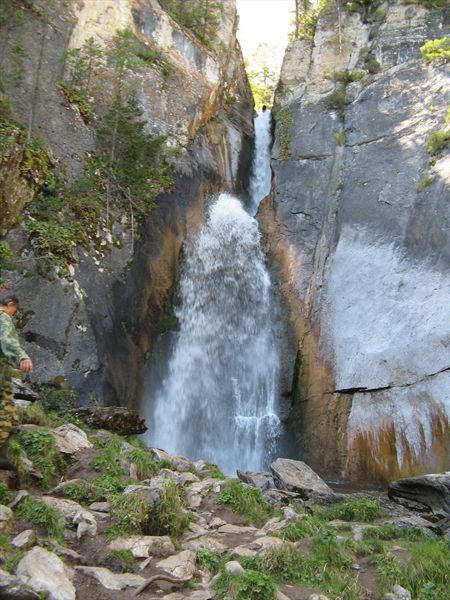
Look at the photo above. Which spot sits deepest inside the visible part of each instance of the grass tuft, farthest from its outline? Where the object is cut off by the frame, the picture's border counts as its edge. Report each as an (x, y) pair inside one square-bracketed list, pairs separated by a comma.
[(168, 517), (246, 501), (364, 510), (40, 514)]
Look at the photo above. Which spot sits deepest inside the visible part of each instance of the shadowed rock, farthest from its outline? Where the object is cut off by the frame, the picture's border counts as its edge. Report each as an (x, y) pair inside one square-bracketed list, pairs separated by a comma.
[(119, 419), (296, 476), (425, 493), (11, 588)]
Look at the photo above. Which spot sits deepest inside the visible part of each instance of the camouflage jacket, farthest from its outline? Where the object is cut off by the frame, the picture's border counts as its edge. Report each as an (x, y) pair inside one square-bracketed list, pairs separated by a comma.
[(10, 347)]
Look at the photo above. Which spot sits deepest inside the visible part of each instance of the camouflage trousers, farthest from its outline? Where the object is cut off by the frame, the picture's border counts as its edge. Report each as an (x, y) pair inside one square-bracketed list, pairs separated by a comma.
[(8, 412)]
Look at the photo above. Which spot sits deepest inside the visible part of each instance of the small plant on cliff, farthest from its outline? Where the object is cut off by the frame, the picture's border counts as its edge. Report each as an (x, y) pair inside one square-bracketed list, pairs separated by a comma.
[(40, 447), (337, 101), (284, 118), (202, 18), (424, 183), (436, 50), (130, 514), (109, 462), (438, 142), (5, 254), (208, 559)]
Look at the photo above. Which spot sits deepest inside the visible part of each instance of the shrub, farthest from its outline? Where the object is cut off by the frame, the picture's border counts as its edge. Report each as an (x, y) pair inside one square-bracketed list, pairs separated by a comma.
[(436, 50), (346, 77), (424, 183), (40, 447), (438, 142), (252, 585), (145, 465), (35, 415), (40, 514), (340, 138), (208, 559), (168, 517), (356, 509), (5, 494), (77, 97), (246, 501), (130, 514), (338, 101), (214, 471)]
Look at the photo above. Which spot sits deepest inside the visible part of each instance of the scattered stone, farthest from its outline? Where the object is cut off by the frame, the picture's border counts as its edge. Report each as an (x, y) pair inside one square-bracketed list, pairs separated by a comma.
[(181, 565), (289, 514), (152, 492), (406, 522), (21, 495), (236, 529), (45, 572), (144, 564), (208, 542), (263, 544), (75, 513), (398, 593), (296, 476), (119, 419), (66, 552), (110, 580), (281, 596), (23, 391), (24, 540), (70, 438), (216, 523), (234, 568), (12, 588), (180, 462), (427, 493), (243, 552), (144, 546), (196, 492), (318, 597), (187, 477), (261, 480), (275, 498), (102, 507), (6, 519), (272, 526)]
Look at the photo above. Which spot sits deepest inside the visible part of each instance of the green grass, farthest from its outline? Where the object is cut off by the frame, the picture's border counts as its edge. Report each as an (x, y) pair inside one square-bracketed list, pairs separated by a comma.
[(5, 495), (40, 514), (214, 471), (168, 517), (82, 492), (246, 501), (364, 510), (124, 557), (436, 50), (109, 462), (327, 549), (438, 142), (424, 183), (428, 569), (391, 532), (146, 466), (208, 559), (130, 514), (252, 585), (305, 526), (40, 447)]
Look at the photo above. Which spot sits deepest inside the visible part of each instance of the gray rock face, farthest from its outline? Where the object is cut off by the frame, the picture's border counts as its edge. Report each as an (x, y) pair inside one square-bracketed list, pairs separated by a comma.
[(296, 476), (263, 481), (45, 572), (352, 238), (12, 588)]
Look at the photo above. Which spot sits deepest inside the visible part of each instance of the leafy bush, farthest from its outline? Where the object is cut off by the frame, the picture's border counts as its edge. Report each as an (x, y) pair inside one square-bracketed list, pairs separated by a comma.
[(40, 447), (346, 77), (76, 96), (355, 509), (130, 514), (168, 517), (252, 585), (214, 471), (40, 514), (246, 501), (436, 50)]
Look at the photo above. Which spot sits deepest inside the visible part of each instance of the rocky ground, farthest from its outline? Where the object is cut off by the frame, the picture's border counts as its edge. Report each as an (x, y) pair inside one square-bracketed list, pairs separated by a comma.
[(95, 515)]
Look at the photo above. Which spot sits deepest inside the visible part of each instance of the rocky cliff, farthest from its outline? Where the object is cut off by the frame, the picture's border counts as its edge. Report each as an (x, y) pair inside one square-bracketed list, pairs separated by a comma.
[(358, 229), (91, 320)]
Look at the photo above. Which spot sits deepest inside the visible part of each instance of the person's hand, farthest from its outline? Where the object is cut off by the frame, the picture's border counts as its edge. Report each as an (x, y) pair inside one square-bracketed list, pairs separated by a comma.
[(26, 366)]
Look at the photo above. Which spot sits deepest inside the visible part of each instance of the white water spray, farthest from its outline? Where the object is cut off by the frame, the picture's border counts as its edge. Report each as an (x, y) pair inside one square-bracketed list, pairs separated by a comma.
[(261, 174), (218, 398)]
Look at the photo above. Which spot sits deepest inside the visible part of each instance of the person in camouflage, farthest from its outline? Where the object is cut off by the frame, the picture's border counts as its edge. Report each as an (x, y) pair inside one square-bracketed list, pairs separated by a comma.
[(11, 355)]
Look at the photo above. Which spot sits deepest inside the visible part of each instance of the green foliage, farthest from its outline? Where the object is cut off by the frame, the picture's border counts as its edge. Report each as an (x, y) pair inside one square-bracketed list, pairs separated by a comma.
[(388, 569), (109, 463), (145, 465), (5, 494), (389, 531), (337, 100), (438, 142), (427, 572), (306, 18), (75, 96), (39, 513), (355, 509), (168, 517), (246, 501), (202, 18), (327, 549), (252, 585), (340, 138), (284, 118), (35, 415), (130, 514), (346, 77), (436, 50), (208, 559), (80, 65), (5, 254), (366, 8), (214, 471), (83, 492), (57, 399), (262, 74), (124, 557), (306, 525), (40, 447), (17, 456), (372, 65), (424, 183)]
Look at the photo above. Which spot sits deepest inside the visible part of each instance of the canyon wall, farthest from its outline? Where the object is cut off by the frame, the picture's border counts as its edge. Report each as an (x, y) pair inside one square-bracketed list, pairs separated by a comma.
[(91, 326), (357, 227)]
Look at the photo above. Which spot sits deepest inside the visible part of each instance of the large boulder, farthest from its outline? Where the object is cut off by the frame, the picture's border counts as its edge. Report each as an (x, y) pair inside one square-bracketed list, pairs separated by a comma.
[(6, 519), (12, 588), (426, 493), (296, 476), (119, 419), (110, 580), (261, 480), (45, 572)]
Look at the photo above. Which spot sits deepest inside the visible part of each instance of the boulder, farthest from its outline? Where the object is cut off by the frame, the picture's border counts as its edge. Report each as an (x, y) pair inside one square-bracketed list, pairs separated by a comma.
[(296, 476), (45, 572), (74, 513), (398, 593), (24, 540), (70, 438), (144, 546), (110, 580), (119, 419), (6, 519), (180, 462), (261, 480), (152, 492), (12, 588), (234, 568), (181, 565), (428, 493), (22, 391)]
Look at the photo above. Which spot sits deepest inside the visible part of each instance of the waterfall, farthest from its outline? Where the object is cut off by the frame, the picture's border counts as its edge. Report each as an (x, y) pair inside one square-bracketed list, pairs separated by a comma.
[(261, 174), (218, 397)]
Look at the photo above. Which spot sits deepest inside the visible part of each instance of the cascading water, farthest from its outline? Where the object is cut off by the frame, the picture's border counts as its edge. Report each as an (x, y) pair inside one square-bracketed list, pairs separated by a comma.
[(261, 173), (217, 400)]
